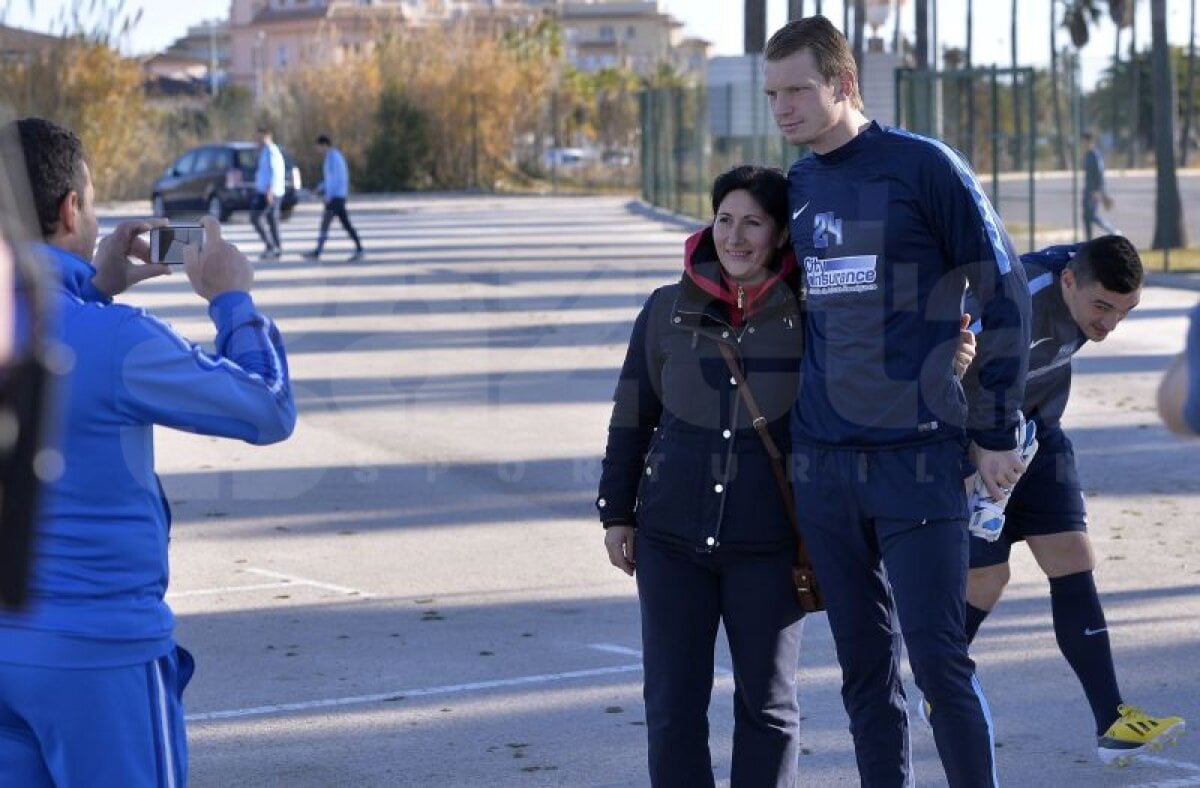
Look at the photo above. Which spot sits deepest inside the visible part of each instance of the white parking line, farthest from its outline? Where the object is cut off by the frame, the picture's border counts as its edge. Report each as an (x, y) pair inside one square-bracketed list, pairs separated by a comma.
[(1191, 767), (308, 582), (226, 590), (1179, 782), (284, 581), (282, 708), (614, 649)]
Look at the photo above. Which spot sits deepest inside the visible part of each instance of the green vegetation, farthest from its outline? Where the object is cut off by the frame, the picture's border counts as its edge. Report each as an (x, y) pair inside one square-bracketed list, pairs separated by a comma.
[(436, 107)]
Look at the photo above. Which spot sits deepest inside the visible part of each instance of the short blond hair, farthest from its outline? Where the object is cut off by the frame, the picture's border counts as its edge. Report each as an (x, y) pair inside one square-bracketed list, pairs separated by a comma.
[(829, 48)]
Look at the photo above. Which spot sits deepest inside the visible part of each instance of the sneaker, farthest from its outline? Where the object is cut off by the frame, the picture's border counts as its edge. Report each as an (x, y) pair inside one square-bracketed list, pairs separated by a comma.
[(358, 256), (1134, 732), (987, 513), (313, 255), (271, 254)]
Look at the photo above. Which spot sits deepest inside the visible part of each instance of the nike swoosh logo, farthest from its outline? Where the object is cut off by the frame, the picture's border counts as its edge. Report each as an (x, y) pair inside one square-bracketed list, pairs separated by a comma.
[(1090, 632), (796, 213), (1041, 342)]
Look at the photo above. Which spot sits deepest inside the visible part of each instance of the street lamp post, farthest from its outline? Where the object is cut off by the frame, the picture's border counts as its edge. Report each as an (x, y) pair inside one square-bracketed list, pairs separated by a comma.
[(212, 57), (260, 51)]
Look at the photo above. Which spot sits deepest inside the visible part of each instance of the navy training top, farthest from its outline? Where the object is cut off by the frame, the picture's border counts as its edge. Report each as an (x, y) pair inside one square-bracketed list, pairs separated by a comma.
[(888, 229), (1055, 337)]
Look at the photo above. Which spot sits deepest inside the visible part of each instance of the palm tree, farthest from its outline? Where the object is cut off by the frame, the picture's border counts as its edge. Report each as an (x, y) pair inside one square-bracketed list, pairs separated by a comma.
[(969, 49), (860, 22), (754, 26), (1185, 140), (1135, 71), (1169, 232), (922, 54), (1016, 89), (896, 28), (1060, 142)]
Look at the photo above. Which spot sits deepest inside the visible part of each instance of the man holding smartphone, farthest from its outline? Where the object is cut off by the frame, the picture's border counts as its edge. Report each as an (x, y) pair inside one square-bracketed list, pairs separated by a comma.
[(168, 244), (91, 679)]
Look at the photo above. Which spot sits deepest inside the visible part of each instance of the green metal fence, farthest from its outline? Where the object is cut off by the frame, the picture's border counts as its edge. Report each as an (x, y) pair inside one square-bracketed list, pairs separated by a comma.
[(683, 150), (988, 115)]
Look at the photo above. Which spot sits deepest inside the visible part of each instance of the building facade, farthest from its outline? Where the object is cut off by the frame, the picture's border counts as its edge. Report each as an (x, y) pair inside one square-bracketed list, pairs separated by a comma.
[(633, 34), (272, 36), (267, 37)]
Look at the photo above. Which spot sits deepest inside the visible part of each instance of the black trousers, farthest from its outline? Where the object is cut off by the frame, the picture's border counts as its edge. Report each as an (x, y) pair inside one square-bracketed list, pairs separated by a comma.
[(684, 596), (258, 210), (336, 206)]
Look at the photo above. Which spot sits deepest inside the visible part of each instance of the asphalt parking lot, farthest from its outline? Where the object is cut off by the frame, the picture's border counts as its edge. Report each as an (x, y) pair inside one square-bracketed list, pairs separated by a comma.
[(413, 590)]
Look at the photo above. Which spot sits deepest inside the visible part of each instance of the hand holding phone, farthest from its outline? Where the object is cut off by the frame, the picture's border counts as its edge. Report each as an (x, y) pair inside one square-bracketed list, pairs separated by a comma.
[(167, 243), (220, 267), (122, 258)]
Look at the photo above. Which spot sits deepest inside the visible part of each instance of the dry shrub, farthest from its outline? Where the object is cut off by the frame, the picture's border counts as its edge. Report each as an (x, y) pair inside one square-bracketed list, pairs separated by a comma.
[(90, 88)]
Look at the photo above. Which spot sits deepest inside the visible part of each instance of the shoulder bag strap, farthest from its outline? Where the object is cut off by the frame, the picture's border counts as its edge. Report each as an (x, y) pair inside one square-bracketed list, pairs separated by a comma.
[(777, 463)]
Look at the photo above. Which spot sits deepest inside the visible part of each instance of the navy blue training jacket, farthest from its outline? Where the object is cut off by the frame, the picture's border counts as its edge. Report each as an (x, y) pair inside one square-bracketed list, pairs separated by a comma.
[(1055, 337), (888, 229)]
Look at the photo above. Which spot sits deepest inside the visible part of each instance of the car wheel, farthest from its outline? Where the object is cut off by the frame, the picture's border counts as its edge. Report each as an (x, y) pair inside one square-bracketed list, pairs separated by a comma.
[(216, 210), (159, 207)]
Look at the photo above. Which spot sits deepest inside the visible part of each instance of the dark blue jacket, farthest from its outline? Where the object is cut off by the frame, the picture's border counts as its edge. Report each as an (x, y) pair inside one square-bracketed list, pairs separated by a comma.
[(683, 462), (1055, 337), (888, 229)]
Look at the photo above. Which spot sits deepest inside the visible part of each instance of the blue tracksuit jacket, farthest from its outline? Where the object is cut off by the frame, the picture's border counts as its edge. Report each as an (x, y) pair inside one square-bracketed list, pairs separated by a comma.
[(100, 552)]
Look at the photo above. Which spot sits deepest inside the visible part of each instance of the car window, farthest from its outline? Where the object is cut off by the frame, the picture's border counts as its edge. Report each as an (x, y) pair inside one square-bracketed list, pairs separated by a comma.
[(247, 158), (204, 160), (222, 159), (186, 164)]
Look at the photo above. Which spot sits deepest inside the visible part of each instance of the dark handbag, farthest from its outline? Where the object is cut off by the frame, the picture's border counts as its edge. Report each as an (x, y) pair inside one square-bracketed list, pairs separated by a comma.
[(808, 591)]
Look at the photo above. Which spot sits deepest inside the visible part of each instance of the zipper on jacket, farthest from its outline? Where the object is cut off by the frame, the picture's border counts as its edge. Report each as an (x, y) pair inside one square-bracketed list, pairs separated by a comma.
[(741, 300)]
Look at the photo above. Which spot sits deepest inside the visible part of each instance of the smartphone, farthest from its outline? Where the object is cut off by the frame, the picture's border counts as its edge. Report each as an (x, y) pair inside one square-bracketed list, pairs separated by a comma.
[(166, 243)]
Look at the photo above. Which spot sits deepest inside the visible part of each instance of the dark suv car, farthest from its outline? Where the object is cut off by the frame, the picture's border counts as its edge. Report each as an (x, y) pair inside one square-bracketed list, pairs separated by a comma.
[(217, 179)]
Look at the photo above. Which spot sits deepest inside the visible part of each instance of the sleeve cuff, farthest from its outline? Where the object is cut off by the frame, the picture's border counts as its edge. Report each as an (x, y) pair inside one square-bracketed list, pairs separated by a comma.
[(95, 295), (231, 308), (995, 440)]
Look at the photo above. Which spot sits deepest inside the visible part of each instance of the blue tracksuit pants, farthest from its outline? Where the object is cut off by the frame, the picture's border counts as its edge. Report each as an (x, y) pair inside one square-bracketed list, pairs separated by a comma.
[(105, 727), (886, 530)]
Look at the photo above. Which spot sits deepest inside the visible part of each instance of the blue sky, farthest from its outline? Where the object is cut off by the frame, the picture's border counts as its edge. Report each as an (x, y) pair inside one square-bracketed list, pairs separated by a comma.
[(718, 21)]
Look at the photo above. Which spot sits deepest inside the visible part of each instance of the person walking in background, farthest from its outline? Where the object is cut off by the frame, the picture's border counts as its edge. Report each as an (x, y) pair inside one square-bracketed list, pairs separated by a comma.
[(1095, 190), (335, 187), (91, 678), (1080, 294), (889, 227), (268, 199)]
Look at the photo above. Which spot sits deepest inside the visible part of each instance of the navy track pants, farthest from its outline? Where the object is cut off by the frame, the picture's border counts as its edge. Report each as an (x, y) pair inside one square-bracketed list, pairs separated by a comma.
[(886, 530)]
